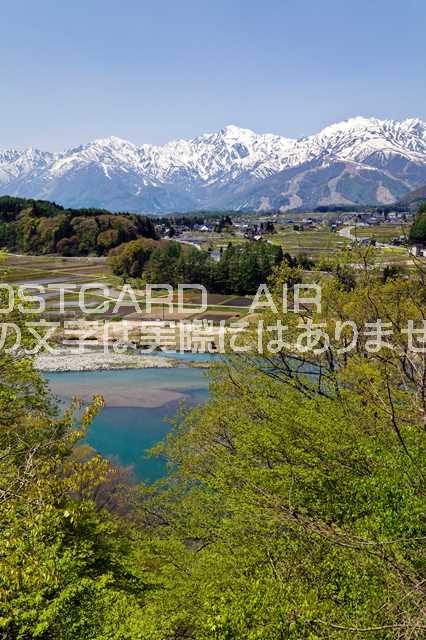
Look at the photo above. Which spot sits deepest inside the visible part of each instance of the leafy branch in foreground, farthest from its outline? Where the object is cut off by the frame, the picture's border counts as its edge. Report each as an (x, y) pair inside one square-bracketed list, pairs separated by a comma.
[(296, 498), (65, 569)]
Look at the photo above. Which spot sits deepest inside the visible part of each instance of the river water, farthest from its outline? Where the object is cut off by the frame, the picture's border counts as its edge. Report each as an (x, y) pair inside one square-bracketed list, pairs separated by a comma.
[(139, 405)]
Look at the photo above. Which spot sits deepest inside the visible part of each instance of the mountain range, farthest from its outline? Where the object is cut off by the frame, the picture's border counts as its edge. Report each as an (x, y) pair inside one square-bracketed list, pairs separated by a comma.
[(358, 161)]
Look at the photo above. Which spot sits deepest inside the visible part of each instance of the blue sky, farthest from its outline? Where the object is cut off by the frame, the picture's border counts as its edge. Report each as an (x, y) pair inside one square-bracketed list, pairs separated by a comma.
[(72, 71)]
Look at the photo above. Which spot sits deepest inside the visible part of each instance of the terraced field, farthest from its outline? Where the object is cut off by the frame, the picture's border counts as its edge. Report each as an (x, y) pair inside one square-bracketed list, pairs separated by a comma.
[(311, 242), (54, 272)]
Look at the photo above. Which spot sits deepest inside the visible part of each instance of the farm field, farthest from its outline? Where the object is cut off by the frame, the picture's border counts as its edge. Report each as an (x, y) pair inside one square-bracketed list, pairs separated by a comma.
[(382, 233), (311, 242), (53, 272)]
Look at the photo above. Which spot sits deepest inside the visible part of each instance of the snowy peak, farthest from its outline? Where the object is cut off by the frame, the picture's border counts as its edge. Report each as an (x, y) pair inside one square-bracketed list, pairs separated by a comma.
[(358, 138), (102, 147), (357, 160), (15, 163), (232, 132), (113, 141), (212, 155), (414, 125)]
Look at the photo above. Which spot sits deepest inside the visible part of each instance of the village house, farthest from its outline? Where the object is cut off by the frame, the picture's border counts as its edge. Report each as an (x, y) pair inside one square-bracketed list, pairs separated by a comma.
[(418, 250)]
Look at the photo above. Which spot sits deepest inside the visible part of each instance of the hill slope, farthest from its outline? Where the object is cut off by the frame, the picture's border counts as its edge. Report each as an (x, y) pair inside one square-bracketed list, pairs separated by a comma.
[(414, 198), (41, 227)]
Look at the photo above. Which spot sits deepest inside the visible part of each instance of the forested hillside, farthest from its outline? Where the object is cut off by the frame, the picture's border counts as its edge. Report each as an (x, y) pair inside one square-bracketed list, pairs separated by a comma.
[(41, 227)]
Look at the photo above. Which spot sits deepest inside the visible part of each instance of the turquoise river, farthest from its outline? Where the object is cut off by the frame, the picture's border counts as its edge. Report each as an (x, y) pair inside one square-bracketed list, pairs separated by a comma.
[(139, 407)]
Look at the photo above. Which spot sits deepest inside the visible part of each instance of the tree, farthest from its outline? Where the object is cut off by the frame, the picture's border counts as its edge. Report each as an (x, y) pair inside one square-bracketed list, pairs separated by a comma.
[(65, 569), (295, 497), (418, 229), (162, 264), (130, 258)]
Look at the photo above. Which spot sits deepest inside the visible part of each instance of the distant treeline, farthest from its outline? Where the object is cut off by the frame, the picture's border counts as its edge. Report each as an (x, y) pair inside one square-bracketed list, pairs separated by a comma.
[(240, 269), (200, 214), (41, 227), (192, 220), (338, 208)]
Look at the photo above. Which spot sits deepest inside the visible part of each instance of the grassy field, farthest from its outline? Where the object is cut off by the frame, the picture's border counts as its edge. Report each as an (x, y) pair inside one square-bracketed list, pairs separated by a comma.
[(312, 242), (382, 233), (38, 269), (322, 243)]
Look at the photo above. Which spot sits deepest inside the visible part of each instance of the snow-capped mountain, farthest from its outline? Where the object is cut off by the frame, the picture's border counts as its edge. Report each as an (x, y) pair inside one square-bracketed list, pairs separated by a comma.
[(359, 161)]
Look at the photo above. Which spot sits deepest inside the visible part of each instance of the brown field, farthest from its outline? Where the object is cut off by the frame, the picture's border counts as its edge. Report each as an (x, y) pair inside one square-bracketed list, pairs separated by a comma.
[(217, 317), (239, 302)]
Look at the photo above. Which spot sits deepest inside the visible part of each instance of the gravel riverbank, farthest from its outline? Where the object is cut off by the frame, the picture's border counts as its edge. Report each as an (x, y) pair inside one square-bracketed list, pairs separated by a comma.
[(68, 360)]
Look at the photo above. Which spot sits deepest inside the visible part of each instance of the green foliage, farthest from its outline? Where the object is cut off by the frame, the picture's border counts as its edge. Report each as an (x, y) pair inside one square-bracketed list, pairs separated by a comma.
[(240, 269), (65, 555), (35, 226), (293, 506), (130, 258), (295, 502), (418, 230)]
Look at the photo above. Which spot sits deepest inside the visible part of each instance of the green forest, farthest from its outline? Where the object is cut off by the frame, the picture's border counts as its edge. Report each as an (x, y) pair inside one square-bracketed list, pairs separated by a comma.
[(41, 227), (240, 268), (293, 507), (418, 229)]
